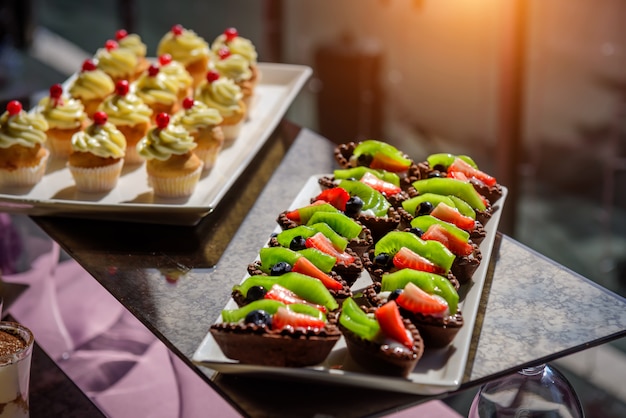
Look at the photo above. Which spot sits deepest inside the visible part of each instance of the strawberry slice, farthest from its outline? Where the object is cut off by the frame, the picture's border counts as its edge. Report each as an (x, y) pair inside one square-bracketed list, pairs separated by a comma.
[(295, 215), (452, 215), (391, 324), (381, 161), (416, 300), (438, 233), (286, 296), (284, 317), (457, 175), (407, 258), (336, 196), (304, 266), (470, 172), (322, 243), (380, 185)]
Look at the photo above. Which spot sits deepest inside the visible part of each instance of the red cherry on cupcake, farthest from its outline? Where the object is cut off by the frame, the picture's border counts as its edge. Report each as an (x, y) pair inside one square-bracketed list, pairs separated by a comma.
[(165, 59), (89, 65), (177, 30), (212, 75), (230, 34), (188, 102), (153, 70), (56, 91), (14, 107), (162, 120), (122, 87), (224, 52), (111, 45), (100, 118), (121, 34)]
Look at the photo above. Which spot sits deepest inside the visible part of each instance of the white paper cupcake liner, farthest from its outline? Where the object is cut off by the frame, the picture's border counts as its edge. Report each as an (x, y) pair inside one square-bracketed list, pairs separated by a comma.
[(97, 179), (25, 176), (173, 187)]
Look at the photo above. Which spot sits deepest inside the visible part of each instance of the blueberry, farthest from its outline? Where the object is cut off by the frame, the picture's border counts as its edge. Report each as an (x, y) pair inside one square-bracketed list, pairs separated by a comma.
[(416, 231), (280, 268), (297, 243), (382, 260), (365, 160), (394, 295), (258, 317), (353, 206), (436, 173), (255, 293), (424, 208)]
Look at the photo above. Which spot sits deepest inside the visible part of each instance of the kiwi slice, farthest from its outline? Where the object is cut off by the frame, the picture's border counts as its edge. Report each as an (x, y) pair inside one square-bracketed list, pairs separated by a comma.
[(235, 315), (307, 211), (285, 237), (429, 282), (463, 207), (424, 222), (272, 255), (322, 261), (372, 199), (435, 251), (449, 186), (411, 205), (358, 172), (339, 222), (338, 241)]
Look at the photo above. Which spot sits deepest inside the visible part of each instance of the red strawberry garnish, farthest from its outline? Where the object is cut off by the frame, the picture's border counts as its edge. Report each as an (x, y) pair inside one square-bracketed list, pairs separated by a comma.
[(165, 59), (336, 196), (224, 52), (452, 215), (391, 324), (122, 87), (286, 296), (380, 185), (212, 75), (438, 233), (111, 45), (409, 259), (459, 165), (162, 120), (322, 243), (177, 30), (14, 107), (284, 317), (121, 34), (416, 300), (188, 102), (230, 34), (100, 118), (304, 266), (153, 70), (89, 65)]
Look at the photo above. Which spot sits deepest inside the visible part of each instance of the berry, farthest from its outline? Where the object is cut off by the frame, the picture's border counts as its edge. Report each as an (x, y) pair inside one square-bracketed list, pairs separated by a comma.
[(304, 266), (394, 295), (111, 45), (162, 120), (56, 91), (354, 206), (452, 215), (121, 34), (100, 118), (383, 260), (188, 102), (177, 30), (258, 317), (284, 317), (297, 243), (255, 293), (392, 325), (380, 185), (407, 258), (121, 87), (336, 196), (88, 65), (280, 268), (153, 70), (364, 159), (416, 300), (224, 52), (416, 231), (424, 208), (212, 75), (436, 173), (165, 59), (230, 34), (14, 107)]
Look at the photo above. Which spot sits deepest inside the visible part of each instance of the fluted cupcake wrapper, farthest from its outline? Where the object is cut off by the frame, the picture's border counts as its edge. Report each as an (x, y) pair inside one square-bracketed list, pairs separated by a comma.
[(25, 176), (173, 187), (96, 179)]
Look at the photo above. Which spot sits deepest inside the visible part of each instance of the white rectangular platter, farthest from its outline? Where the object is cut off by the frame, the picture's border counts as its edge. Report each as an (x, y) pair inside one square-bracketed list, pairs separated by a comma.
[(132, 198), (438, 371)]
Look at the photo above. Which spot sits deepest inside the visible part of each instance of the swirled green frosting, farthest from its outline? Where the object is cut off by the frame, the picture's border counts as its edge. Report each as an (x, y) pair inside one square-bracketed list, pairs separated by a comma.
[(161, 144), (105, 141), (63, 113), (185, 48), (134, 43), (90, 85), (177, 71), (25, 129), (238, 45), (118, 62), (234, 66), (198, 116), (128, 109), (222, 94), (157, 89)]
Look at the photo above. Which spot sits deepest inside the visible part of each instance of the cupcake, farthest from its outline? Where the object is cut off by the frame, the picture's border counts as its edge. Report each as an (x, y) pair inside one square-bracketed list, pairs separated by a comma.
[(223, 94), (23, 157), (97, 156), (65, 117), (131, 116), (173, 169), (118, 63), (176, 71), (91, 86), (203, 123), (160, 93), (237, 68), (241, 46), (186, 47), (133, 42)]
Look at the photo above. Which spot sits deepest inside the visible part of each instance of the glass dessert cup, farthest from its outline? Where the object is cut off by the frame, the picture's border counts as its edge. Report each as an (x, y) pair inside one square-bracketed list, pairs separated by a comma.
[(16, 347)]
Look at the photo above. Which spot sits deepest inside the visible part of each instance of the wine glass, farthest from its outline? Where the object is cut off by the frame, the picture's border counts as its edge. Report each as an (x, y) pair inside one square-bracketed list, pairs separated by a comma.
[(533, 392)]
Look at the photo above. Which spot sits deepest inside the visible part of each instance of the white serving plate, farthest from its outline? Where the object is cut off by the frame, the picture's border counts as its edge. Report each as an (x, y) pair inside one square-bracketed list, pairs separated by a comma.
[(438, 371), (132, 198)]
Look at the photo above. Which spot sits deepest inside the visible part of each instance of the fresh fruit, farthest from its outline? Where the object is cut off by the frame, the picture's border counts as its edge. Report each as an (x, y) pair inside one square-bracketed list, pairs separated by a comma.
[(121, 34), (286, 296), (304, 266), (322, 261), (463, 207), (100, 118), (435, 251), (336, 196), (177, 30), (270, 256), (391, 324), (224, 52), (285, 317), (122, 87), (339, 222), (461, 166), (285, 237), (424, 222), (280, 268), (411, 205), (236, 315), (448, 186), (373, 200), (339, 242), (438, 233), (230, 34), (358, 172), (256, 293), (444, 160), (357, 321), (88, 65), (406, 258), (258, 317), (165, 59), (416, 300), (383, 156), (110, 45), (303, 214), (14, 107), (453, 216), (212, 76), (380, 185), (432, 283), (320, 242), (353, 206), (162, 120), (188, 102)]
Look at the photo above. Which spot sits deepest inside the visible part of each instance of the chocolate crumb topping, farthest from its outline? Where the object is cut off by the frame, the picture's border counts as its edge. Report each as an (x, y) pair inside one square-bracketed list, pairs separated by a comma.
[(10, 343)]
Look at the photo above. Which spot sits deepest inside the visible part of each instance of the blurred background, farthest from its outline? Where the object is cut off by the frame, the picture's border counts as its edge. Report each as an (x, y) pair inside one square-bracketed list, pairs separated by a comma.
[(534, 90)]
